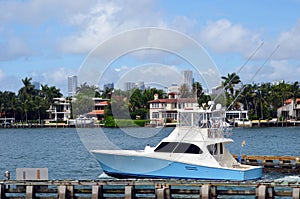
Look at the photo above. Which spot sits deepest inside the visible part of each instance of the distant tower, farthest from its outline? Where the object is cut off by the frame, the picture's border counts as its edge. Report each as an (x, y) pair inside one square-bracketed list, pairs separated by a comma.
[(37, 85), (141, 85), (72, 85), (129, 86), (187, 78), (109, 86)]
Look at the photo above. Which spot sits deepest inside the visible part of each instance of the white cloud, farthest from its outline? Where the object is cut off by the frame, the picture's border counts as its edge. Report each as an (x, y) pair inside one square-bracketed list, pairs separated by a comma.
[(106, 19), (14, 47), (289, 42), (223, 36), (36, 12), (9, 83), (283, 70), (26, 24), (56, 76), (122, 68)]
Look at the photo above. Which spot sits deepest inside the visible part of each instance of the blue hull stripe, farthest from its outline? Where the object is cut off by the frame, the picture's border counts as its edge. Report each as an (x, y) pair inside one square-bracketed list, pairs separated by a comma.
[(133, 166)]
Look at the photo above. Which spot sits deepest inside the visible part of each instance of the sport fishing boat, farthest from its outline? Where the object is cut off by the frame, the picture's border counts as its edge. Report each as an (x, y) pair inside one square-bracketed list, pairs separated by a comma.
[(195, 149)]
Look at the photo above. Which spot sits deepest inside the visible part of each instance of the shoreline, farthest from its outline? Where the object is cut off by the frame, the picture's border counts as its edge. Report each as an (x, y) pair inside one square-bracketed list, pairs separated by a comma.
[(244, 124)]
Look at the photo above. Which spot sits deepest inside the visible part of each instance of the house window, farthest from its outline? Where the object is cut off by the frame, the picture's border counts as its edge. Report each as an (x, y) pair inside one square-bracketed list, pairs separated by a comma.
[(155, 105), (155, 115)]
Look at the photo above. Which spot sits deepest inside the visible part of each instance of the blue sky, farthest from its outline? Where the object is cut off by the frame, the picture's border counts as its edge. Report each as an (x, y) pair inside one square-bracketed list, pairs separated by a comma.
[(49, 40)]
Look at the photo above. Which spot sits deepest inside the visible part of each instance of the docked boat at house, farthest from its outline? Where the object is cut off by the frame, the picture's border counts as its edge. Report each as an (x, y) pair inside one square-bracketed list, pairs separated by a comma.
[(195, 149)]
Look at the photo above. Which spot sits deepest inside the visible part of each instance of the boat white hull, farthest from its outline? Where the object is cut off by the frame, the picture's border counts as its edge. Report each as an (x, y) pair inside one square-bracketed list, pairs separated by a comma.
[(148, 167)]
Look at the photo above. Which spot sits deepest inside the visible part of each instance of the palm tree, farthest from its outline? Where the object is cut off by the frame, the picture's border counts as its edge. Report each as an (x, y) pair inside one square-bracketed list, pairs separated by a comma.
[(48, 93), (197, 89), (25, 96), (295, 92), (229, 82)]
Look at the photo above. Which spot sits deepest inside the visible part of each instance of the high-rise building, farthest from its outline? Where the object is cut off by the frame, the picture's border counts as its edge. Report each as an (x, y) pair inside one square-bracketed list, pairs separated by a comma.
[(37, 85), (129, 86), (141, 85), (72, 85), (109, 86), (187, 78)]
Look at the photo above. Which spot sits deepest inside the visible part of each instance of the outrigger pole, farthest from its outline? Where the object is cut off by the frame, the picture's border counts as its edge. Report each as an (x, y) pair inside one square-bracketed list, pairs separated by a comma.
[(246, 62), (259, 69)]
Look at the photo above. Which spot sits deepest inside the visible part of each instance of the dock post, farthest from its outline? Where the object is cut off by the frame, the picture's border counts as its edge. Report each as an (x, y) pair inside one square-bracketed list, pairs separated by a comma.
[(160, 192), (270, 192), (62, 192), (70, 192), (205, 191), (296, 193), (129, 192), (97, 192), (213, 191), (261, 192), (30, 192), (2, 191), (167, 191)]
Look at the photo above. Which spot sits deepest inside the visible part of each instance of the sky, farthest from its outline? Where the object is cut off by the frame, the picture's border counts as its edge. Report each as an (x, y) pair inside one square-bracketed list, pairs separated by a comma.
[(49, 40)]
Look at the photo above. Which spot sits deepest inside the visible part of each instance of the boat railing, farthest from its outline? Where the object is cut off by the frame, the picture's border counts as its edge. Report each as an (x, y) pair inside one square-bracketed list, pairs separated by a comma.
[(214, 133), (222, 132)]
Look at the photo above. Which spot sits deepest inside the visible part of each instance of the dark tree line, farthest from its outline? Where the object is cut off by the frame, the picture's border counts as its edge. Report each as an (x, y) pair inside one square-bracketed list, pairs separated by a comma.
[(261, 100), (29, 103)]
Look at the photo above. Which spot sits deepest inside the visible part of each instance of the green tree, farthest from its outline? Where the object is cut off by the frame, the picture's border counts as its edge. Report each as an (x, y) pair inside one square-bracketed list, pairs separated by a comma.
[(83, 102), (197, 89), (229, 82), (184, 91), (25, 95)]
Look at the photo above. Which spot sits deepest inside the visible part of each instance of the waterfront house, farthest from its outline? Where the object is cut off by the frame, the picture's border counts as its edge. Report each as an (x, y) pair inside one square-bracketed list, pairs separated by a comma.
[(290, 109), (237, 115), (60, 109), (98, 111), (165, 110)]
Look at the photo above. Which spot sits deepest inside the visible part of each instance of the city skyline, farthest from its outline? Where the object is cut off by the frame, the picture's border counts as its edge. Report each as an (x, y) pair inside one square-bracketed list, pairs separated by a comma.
[(50, 46)]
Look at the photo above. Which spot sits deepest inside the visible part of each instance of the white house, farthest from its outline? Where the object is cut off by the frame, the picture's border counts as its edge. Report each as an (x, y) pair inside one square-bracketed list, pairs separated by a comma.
[(60, 109), (290, 109), (166, 109)]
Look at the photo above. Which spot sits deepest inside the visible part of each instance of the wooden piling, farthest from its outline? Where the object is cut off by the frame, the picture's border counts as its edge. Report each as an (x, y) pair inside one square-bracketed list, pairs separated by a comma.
[(296, 193), (261, 192), (30, 192), (159, 192), (97, 192), (129, 192), (205, 191), (62, 190), (2, 193)]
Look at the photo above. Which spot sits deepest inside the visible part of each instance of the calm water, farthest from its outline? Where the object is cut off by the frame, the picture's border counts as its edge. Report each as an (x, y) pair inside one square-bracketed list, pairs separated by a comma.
[(62, 150)]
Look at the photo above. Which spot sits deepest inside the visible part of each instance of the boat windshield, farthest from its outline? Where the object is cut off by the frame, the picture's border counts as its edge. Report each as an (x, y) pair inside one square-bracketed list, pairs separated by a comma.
[(178, 147)]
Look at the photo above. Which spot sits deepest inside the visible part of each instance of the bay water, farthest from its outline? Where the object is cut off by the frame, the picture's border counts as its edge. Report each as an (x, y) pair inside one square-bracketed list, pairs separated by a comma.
[(65, 151)]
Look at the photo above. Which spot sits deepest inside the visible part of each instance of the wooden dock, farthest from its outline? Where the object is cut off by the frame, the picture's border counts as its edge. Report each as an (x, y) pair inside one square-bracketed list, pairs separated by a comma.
[(283, 164), (267, 123), (146, 189)]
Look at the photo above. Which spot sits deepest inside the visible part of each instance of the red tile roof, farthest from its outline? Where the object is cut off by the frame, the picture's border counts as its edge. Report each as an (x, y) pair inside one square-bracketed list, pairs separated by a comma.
[(105, 103), (173, 100), (288, 101), (96, 112)]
